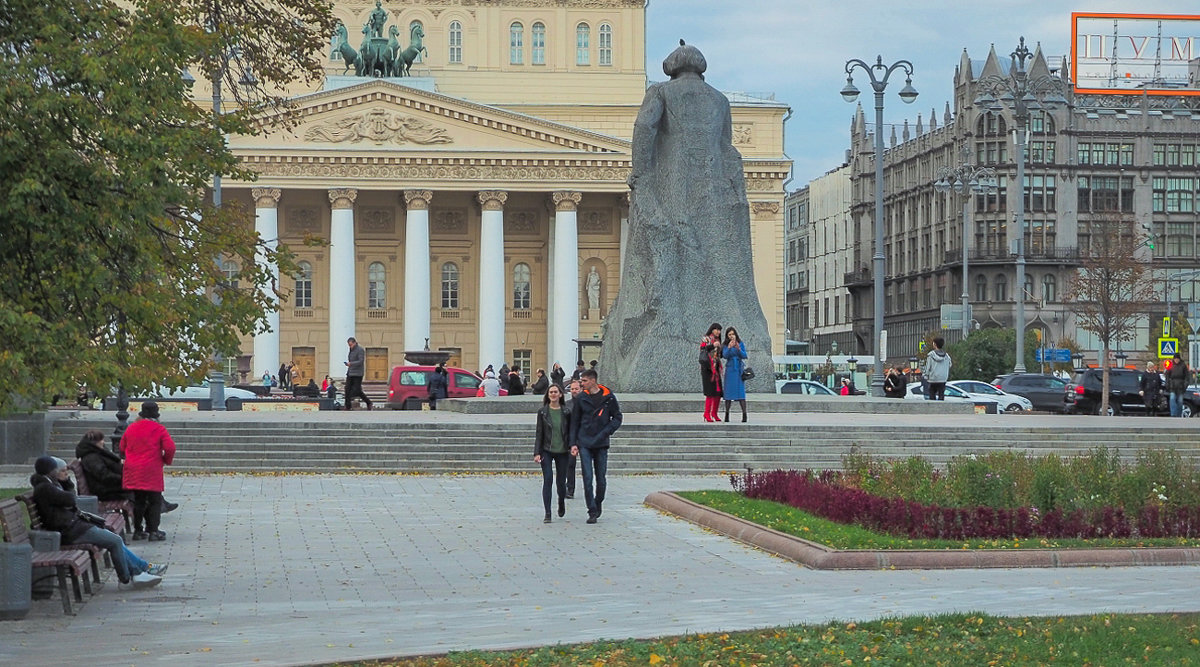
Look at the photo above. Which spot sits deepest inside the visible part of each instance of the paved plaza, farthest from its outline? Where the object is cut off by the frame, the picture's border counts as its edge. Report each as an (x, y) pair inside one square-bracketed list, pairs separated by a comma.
[(280, 570)]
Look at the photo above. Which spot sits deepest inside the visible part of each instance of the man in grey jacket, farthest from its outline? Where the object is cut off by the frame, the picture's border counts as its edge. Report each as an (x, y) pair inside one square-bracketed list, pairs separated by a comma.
[(356, 363), (937, 370)]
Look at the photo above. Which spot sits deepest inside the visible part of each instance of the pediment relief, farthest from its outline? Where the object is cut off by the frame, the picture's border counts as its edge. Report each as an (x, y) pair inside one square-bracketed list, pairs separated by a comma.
[(377, 126)]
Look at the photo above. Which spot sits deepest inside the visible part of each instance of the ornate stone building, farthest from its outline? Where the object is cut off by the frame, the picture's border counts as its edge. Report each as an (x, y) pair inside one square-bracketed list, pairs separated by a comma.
[(467, 204)]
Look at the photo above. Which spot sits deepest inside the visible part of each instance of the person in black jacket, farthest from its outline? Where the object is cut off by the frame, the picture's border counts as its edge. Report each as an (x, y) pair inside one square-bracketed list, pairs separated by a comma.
[(557, 375), (516, 384), (437, 386), (550, 447), (1177, 381), (103, 470), (1150, 388), (541, 384), (595, 415), (894, 384), (54, 494)]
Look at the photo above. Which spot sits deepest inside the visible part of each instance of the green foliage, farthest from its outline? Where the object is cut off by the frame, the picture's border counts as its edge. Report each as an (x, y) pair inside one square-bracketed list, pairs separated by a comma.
[(110, 249), (988, 353)]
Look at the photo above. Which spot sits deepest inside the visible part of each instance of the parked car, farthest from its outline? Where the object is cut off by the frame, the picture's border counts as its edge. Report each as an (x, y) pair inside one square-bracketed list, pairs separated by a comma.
[(916, 392), (407, 385), (193, 392), (1043, 390), (1008, 402), (1083, 394), (806, 387)]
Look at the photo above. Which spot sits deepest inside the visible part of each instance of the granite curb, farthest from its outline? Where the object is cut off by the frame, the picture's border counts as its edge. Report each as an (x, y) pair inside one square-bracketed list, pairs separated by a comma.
[(821, 557)]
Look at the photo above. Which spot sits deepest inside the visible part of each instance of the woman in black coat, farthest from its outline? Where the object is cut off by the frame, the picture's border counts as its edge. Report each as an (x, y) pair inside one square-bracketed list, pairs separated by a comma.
[(710, 371), (557, 375), (551, 447), (101, 467), (437, 386)]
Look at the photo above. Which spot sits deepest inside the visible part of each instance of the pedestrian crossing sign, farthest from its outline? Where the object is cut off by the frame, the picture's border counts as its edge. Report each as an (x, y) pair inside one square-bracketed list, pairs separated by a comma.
[(1167, 347)]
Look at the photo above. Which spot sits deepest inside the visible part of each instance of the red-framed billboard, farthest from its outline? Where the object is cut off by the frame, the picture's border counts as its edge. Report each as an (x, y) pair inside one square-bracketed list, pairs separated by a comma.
[(1135, 54)]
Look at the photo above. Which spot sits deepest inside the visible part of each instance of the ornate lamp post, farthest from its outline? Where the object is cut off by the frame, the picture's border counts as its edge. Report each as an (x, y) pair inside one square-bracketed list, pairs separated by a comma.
[(879, 74), (965, 180), (1020, 94)]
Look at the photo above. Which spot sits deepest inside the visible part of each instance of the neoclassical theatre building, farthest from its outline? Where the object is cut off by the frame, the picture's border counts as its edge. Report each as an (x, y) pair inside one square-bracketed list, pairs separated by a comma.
[(480, 203)]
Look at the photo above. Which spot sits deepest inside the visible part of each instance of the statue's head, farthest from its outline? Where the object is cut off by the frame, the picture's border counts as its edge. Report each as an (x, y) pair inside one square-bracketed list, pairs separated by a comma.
[(686, 58)]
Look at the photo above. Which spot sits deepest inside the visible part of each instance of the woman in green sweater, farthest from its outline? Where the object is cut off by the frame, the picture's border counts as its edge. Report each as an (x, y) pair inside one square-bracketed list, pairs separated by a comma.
[(550, 447)]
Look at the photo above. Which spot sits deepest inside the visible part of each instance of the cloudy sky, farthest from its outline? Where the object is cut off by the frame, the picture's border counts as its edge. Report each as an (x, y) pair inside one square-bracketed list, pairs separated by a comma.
[(798, 49)]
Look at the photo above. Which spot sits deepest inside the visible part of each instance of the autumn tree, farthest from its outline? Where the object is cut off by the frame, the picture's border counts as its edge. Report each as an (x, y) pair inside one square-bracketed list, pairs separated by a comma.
[(109, 246), (1113, 284)]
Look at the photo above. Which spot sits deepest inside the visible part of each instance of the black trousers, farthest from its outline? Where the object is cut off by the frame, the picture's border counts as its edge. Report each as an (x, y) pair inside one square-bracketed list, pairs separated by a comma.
[(354, 390), (147, 510)]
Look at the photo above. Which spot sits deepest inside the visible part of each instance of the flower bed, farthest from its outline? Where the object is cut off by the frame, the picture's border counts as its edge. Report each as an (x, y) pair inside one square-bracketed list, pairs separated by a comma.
[(824, 495)]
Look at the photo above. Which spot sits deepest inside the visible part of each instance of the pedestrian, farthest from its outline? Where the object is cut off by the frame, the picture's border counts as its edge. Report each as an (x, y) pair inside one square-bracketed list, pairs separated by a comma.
[(516, 385), (542, 383), (1177, 380), (845, 390), (595, 416), (490, 385), (503, 376), (550, 448), (147, 447), (710, 371), (285, 377), (557, 374), (437, 387), (54, 494), (734, 387), (579, 368), (103, 470), (1150, 388), (937, 370), (325, 384), (894, 383), (574, 389), (266, 379), (356, 362)]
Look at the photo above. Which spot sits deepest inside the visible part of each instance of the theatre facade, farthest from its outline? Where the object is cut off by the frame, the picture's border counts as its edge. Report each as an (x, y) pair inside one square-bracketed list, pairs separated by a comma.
[(479, 205)]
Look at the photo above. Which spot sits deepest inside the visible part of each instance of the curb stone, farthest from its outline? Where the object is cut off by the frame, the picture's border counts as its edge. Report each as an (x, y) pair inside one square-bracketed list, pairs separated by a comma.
[(821, 557)]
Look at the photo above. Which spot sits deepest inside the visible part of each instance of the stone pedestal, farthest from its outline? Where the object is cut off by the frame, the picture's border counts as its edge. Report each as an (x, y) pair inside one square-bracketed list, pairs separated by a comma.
[(593, 314)]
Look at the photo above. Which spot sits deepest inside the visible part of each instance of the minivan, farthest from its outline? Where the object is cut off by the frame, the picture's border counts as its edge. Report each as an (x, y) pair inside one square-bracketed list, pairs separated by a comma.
[(407, 385)]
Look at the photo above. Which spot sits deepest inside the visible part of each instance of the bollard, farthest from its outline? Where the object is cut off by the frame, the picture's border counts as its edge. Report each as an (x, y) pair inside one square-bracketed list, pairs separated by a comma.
[(15, 572)]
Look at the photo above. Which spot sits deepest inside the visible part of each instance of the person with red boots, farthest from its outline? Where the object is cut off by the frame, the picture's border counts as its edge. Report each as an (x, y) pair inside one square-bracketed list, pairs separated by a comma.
[(710, 371)]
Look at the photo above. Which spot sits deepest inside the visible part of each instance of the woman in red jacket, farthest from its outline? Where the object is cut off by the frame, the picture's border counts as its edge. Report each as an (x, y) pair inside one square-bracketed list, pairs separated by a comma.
[(147, 448)]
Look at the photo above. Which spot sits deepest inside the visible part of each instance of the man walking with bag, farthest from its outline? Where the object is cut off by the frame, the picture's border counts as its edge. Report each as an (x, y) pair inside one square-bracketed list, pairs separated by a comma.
[(595, 415), (356, 363)]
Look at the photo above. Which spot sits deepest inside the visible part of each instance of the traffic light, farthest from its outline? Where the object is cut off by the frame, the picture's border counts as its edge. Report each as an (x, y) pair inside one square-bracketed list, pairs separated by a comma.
[(1167, 365)]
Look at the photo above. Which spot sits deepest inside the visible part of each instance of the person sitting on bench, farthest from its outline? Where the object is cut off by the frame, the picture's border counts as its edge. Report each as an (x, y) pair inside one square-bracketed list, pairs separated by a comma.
[(54, 493), (103, 469)]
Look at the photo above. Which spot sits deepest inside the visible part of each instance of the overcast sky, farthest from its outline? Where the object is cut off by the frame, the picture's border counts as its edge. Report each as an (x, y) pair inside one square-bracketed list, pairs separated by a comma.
[(797, 49)]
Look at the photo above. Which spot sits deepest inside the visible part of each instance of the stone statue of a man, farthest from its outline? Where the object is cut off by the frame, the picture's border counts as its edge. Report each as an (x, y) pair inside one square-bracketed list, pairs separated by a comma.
[(377, 19), (592, 286), (688, 262)]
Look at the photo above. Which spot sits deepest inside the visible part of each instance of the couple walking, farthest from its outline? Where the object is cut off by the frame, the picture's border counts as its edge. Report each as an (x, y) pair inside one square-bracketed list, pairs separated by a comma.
[(722, 364)]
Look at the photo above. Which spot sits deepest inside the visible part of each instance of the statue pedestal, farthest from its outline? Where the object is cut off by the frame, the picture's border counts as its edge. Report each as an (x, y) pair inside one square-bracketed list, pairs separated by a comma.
[(426, 83), (593, 314)]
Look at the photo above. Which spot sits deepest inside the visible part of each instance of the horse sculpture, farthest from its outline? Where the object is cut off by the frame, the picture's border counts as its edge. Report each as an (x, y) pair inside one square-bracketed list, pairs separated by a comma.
[(393, 50), (404, 59), (373, 55), (349, 55)]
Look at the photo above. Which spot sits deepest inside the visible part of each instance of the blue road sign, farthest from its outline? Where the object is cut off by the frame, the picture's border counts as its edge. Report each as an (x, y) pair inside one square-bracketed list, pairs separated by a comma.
[(1052, 355), (1167, 347)]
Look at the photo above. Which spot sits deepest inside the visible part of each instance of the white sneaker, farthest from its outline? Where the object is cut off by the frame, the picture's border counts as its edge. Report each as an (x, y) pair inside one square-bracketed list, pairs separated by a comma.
[(145, 580)]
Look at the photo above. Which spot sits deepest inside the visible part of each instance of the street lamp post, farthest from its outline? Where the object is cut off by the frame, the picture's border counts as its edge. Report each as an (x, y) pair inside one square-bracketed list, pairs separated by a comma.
[(1020, 94), (965, 180), (907, 94)]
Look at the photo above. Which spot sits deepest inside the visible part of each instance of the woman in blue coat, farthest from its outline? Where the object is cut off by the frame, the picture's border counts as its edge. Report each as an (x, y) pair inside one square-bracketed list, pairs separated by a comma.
[(734, 351)]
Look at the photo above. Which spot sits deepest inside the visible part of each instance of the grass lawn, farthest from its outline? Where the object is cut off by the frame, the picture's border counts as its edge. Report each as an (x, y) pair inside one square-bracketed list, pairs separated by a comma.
[(8, 494), (956, 640), (787, 519)]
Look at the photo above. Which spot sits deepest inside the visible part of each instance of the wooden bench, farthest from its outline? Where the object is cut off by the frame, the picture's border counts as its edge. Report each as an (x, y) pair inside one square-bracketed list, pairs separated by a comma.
[(65, 562), (97, 553), (118, 514)]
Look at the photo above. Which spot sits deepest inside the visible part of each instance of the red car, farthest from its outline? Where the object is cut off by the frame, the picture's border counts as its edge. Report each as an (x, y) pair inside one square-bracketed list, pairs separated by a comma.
[(407, 385)]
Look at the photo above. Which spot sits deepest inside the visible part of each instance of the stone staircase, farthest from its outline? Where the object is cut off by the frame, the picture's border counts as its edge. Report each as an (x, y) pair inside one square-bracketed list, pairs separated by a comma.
[(438, 448)]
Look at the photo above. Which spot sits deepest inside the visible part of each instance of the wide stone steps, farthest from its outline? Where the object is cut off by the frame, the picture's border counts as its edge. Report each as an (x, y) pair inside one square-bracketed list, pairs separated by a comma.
[(637, 448)]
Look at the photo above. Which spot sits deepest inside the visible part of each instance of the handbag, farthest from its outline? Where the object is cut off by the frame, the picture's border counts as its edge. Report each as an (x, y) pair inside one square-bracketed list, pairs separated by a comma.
[(94, 519), (747, 374)]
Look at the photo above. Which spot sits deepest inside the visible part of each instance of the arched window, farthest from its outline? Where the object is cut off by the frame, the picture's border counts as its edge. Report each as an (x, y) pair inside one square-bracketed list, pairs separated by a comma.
[(304, 286), (981, 288), (1000, 288), (376, 286), (1028, 287), (412, 25), (583, 44), (1049, 287), (521, 287), (455, 42), (449, 286), (230, 270), (538, 44), (605, 45), (516, 43)]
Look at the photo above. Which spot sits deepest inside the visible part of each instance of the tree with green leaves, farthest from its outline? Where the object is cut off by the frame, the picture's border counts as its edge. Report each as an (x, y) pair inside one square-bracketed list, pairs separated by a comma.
[(1112, 286), (989, 353), (109, 246)]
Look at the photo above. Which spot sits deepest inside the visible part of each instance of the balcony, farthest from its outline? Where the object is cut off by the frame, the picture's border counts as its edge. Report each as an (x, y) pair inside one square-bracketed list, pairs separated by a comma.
[(1002, 256), (860, 277)]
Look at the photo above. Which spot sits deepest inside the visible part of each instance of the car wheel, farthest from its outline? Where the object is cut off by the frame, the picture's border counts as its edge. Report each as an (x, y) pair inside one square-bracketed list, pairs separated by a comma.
[(1187, 410), (1013, 407)]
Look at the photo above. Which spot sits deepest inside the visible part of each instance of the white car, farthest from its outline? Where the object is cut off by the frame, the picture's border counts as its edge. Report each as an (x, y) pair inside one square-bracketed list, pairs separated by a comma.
[(917, 393), (1008, 402), (806, 387), (193, 392)]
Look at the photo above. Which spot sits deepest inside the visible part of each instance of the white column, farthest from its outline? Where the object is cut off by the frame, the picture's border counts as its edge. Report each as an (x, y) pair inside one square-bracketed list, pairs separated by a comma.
[(491, 279), (343, 300), (551, 354), (266, 224), (564, 327), (416, 269)]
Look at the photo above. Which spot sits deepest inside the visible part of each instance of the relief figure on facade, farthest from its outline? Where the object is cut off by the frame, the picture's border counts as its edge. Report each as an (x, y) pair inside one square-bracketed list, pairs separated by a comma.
[(379, 126)]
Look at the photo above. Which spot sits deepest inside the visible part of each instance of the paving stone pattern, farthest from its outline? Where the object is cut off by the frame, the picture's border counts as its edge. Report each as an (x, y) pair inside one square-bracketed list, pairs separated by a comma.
[(280, 570)]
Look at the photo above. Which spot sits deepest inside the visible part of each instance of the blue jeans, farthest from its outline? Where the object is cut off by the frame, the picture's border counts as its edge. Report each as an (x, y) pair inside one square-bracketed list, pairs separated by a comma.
[(1175, 400), (125, 562), (594, 461)]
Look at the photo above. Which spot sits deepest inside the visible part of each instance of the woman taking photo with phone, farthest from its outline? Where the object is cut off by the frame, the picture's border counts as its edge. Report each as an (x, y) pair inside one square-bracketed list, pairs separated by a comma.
[(734, 351)]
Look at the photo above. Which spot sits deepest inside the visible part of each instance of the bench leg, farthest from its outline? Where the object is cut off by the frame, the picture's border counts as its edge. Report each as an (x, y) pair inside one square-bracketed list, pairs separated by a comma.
[(95, 569), (62, 589), (75, 585)]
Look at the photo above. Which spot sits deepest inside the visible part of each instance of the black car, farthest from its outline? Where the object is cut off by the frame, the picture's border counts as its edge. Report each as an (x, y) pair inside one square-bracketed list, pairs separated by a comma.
[(1044, 391), (1124, 385)]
